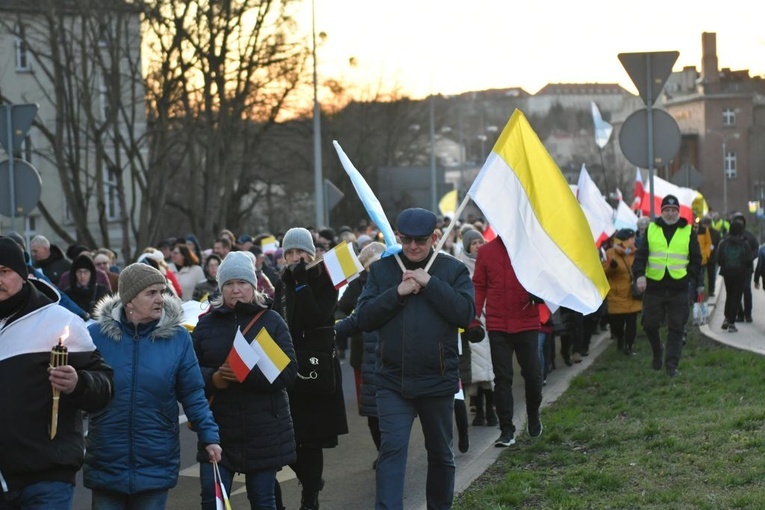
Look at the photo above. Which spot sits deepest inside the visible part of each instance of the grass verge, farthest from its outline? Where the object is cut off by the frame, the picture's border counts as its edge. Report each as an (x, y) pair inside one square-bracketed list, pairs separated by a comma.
[(625, 436)]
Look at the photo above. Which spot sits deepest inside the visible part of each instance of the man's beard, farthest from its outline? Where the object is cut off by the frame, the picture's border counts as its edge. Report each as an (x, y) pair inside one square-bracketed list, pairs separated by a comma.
[(672, 222)]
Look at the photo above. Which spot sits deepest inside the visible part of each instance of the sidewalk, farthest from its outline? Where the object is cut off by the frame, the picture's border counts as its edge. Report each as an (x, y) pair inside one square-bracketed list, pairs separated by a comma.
[(750, 336)]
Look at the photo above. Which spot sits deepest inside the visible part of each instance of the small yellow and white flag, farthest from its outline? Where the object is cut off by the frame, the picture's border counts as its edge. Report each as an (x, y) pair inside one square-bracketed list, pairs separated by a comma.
[(269, 244), (272, 358), (342, 264)]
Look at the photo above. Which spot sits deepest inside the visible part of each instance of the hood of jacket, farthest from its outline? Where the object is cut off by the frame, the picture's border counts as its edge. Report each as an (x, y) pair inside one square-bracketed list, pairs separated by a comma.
[(110, 316)]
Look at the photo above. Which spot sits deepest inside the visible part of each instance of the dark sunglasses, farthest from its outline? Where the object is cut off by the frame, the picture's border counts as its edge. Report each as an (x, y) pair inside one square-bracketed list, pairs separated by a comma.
[(421, 241)]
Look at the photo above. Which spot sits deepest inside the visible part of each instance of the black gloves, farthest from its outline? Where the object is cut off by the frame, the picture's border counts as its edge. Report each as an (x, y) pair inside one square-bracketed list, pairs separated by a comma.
[(300, 274), (473, 334)]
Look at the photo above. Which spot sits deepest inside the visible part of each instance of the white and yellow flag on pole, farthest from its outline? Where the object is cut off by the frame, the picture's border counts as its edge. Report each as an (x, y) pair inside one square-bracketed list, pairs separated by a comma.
[(342, 264), (526, 199)]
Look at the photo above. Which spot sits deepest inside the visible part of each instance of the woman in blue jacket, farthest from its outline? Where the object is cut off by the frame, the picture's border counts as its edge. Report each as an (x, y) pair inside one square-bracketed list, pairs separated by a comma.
[(254, 415), (133, 450)]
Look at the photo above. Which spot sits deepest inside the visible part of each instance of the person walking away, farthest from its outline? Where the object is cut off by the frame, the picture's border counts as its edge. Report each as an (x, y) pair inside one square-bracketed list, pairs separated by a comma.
[(318, 413), (480, 387), (37, 467), (664, 262), (745, 308), (253, 415), (512, 320), (133, 450), (417, 314), (363, 354), (734, 258), (623, 306)]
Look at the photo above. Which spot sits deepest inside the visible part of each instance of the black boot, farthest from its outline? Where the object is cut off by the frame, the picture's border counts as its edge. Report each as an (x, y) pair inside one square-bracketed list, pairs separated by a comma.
[(460, 417), (309, 501), (491, 416), (480, 418)]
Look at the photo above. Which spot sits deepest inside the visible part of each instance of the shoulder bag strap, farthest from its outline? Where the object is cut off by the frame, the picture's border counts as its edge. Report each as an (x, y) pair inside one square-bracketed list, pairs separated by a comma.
[(253, 321)]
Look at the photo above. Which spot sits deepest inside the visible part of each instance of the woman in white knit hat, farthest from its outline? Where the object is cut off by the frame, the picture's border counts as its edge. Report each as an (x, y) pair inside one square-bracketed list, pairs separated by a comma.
[(310, 300), (253, 415)]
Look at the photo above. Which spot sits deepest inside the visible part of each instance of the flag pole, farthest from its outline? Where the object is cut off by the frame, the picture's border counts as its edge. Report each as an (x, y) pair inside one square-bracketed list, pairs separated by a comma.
[(448, 230)]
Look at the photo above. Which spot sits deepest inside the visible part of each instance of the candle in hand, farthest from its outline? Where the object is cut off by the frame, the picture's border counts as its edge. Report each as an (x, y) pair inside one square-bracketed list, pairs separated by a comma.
[(59, 356)]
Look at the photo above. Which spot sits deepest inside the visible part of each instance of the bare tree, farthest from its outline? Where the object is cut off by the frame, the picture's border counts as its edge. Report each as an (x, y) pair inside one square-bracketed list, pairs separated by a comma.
[(87, 70), (222, 72)]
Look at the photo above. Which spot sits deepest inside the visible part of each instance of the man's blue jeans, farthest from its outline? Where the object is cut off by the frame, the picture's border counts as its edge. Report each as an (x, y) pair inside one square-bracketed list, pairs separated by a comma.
[(260, 486), (396, 415), (39, 496), (146, 500)]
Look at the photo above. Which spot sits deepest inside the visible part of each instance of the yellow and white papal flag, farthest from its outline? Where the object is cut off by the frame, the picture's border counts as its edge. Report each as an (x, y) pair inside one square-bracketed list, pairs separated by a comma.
[(526, 199), (272, 358), (342, 264)]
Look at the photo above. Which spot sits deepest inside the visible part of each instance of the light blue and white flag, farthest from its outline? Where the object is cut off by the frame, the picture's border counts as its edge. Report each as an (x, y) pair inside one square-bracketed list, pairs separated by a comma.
[(371, 204)]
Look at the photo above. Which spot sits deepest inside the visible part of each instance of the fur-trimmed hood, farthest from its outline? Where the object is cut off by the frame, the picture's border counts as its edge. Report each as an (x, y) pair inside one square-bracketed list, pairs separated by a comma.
[(110, 318)]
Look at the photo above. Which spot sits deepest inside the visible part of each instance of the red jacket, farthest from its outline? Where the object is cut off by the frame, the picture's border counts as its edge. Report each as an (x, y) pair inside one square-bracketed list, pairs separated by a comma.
[(508, 304)]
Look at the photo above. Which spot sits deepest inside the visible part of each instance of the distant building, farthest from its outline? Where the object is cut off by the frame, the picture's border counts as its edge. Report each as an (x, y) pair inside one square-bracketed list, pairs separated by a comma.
[(716, 109), (79, 110)]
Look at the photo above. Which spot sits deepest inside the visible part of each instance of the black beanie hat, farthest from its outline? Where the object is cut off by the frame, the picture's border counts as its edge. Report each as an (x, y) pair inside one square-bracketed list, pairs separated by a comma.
[(12, 257)]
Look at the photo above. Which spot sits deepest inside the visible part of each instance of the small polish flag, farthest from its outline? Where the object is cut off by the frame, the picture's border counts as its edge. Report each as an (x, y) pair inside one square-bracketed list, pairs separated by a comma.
[(639, 191), (242, 357)]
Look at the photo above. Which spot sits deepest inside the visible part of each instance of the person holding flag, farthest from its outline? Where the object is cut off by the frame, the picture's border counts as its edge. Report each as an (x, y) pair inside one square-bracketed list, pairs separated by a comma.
[(133, 452), (666, 261), (251, 410), (417, 315), (318, 414)]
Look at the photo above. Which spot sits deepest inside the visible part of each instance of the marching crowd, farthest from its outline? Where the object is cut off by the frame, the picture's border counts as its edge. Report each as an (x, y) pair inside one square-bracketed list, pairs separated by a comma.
[(419, 327)]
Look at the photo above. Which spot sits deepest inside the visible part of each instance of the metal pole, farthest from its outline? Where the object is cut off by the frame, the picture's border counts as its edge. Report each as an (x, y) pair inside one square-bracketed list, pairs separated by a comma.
[(317, 176), (9, 146), (433, 190), (649, 79), (725, 182)]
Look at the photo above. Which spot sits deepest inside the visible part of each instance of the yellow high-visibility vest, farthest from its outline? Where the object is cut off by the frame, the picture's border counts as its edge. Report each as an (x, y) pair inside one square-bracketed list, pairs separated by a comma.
[(672, 257)]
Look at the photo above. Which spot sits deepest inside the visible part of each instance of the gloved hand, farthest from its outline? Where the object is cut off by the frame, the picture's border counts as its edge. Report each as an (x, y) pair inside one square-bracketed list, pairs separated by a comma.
[(473, 334), (299, 273), (614, 264)]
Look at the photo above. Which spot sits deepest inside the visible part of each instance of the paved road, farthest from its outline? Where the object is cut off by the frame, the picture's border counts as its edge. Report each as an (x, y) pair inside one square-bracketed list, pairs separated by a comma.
[(348, 468)]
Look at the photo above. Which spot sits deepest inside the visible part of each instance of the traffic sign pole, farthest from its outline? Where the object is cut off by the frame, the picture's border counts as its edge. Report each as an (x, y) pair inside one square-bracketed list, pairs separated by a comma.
[(9, 149), (649, 132)]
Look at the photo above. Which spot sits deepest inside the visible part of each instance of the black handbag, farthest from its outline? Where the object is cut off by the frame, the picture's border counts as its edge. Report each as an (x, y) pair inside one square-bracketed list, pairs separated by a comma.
[(315, 354)]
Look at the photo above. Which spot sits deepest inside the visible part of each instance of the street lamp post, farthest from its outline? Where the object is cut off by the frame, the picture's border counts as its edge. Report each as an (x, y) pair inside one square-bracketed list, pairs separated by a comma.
[(725, 138), (317, 173)]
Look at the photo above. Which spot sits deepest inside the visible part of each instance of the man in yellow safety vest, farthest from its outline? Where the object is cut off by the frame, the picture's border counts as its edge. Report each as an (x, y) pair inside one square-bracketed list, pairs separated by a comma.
[(667, 263)]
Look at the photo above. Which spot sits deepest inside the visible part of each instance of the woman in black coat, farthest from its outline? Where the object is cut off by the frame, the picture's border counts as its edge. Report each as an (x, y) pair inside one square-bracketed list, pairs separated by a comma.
[(253, 416), (309, 303), (84, 289)]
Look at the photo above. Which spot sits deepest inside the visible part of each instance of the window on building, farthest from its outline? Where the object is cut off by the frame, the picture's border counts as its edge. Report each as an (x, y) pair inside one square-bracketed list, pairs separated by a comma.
[(110, 194), (730, 164), (729, 117), (103, 97), (22, 56)]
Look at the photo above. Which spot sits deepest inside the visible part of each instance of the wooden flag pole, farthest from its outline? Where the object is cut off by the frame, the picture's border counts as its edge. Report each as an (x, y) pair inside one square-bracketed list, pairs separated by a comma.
[(448, 231)]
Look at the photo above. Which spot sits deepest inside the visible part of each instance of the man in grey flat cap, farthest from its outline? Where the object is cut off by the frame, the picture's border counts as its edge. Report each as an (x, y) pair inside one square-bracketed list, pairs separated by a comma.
[(417, 314)]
